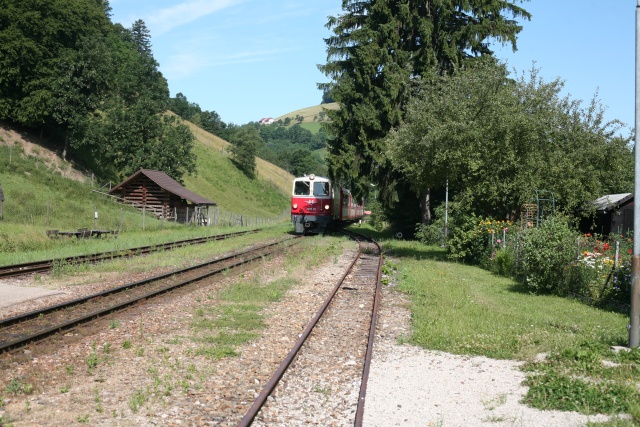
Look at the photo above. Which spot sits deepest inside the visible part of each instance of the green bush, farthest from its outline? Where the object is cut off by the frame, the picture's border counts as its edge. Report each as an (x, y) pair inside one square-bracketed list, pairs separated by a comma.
[(549, 252), (467, 242), (503, 262), (434, 233)]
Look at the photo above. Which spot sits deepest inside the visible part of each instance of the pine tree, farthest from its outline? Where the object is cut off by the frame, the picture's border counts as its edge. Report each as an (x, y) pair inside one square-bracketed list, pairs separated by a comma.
[(378, 47)]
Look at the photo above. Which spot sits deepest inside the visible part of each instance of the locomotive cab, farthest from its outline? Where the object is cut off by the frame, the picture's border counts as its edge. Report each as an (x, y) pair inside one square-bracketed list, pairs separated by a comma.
[(311, 203)]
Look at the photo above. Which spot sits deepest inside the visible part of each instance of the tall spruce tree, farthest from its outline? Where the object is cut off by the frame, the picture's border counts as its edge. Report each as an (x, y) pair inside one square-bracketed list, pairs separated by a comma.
[(377, 48)]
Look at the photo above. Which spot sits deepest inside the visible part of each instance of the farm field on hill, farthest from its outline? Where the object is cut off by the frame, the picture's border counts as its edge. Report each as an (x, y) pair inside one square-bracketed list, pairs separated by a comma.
[(310, 114)]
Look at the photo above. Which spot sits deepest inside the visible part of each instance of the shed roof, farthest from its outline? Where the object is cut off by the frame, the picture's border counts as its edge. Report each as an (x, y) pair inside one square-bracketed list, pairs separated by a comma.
[(612, 201), (166, 183)]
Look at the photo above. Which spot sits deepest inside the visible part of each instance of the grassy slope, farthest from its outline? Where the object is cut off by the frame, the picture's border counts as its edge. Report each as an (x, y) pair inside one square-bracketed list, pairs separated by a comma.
[(219, 180), (32, 184), (310, 114)]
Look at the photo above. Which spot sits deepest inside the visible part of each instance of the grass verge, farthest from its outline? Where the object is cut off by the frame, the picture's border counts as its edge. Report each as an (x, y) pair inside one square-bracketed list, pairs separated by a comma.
[(466, 310)]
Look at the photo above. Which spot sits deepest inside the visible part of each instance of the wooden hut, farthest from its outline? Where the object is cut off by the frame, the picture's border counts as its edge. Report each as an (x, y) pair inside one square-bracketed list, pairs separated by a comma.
[(159, 194), (614, 214)]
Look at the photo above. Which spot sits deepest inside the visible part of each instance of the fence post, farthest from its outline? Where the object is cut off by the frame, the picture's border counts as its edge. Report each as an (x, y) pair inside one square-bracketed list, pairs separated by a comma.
[(120, 220), (615, 263), (143, 217), (48, 210)]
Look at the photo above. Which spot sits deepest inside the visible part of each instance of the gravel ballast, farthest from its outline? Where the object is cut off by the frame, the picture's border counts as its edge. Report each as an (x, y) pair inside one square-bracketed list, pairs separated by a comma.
[(408, 386)]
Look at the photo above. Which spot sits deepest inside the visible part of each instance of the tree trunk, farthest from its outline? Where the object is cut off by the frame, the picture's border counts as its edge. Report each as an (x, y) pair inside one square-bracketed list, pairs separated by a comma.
[(66, 145), (425, 206)]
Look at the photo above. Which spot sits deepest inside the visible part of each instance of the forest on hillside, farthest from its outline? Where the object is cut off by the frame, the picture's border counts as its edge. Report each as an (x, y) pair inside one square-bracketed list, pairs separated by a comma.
[(93, 90), (90, 87), (289, 146)]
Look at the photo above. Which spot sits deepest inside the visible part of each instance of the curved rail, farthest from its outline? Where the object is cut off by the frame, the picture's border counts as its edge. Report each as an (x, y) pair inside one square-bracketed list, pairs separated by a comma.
[(253, 254), (46, 265), (255, 408)]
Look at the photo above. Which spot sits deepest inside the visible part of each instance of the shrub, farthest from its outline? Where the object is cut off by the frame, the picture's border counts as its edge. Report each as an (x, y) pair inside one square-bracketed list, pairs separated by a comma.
[(434, 233), (549, 252), (503, 262), (467, 243), (476, 241)]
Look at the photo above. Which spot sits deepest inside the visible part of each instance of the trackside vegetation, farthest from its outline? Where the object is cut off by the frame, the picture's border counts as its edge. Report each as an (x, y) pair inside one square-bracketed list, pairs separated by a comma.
[(566, 344)]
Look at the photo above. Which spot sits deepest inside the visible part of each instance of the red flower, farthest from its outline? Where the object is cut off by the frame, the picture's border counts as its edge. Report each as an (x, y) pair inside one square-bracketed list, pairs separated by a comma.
[(606, 247), (630, 251)]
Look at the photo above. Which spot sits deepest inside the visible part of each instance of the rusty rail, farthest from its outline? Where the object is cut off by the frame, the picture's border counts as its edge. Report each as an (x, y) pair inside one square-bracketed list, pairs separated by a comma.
[(255, 408)]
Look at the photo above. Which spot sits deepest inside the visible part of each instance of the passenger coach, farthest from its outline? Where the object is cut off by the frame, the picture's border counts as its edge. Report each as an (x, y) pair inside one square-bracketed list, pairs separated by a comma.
[(316, 205)]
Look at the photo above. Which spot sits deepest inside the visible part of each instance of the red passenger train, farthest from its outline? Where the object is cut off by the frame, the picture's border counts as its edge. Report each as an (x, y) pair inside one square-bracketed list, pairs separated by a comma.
[(317, 205)]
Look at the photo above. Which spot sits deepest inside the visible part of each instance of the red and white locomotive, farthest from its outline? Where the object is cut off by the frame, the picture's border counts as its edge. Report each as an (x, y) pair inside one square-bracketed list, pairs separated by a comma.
[(317, 205)]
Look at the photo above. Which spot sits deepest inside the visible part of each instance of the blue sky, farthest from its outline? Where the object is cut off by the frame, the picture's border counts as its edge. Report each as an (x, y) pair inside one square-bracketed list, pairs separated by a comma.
[(248, 59)]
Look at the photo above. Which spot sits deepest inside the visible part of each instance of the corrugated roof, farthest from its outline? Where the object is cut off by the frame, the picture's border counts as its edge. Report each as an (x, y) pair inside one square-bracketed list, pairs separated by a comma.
[(612, 201), (167, 183)]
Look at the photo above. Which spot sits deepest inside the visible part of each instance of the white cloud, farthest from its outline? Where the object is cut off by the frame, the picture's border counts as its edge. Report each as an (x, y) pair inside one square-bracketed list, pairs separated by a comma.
[(184, 65), (164, 20)]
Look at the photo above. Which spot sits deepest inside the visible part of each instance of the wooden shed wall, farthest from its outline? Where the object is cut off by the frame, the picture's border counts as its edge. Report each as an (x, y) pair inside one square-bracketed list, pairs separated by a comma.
[(143, 192)]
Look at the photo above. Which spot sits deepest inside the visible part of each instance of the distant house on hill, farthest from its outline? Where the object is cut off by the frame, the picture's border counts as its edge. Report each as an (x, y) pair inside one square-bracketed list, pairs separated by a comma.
[(267, 121), (159, 194)]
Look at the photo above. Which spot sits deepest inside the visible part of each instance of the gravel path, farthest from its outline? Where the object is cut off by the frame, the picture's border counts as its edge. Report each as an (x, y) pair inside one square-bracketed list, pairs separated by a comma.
[(410, 386)]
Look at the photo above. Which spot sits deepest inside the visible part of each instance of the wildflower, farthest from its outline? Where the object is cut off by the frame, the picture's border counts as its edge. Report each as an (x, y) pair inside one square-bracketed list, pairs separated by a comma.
[(606, 246), (499, 240)]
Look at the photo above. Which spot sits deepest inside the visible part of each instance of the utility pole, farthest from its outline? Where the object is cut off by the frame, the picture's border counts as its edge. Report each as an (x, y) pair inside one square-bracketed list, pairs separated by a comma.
[(634, 315)]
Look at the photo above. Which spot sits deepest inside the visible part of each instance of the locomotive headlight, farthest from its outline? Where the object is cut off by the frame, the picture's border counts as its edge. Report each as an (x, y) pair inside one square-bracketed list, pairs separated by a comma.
[(295, 206), (326, 207)]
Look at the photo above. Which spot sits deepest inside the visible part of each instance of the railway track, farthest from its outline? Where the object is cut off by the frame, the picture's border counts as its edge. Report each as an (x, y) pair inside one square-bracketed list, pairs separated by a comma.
[(321, 350), (46, 265), (21, 330)]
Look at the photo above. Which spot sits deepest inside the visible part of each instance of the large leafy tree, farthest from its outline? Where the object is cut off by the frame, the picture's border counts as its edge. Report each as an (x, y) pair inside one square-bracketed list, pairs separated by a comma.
[(36, 38), (130, 131), (377, 48), (92, 85), (497, 140), (246, 142)]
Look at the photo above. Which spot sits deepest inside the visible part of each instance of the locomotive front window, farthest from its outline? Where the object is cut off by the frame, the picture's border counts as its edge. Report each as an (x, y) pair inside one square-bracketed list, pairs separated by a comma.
[(320, 188), (301, 188)]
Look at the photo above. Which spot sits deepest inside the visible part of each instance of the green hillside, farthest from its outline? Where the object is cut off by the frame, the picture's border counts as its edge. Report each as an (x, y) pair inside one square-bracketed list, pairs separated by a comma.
[(312, 116), (219, 180), (44, 192)]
